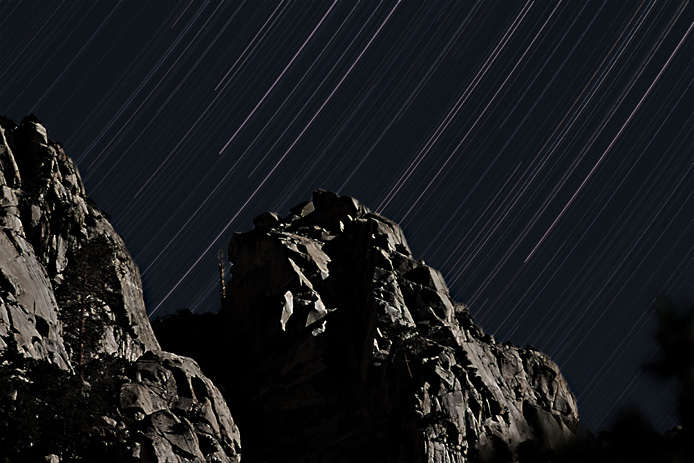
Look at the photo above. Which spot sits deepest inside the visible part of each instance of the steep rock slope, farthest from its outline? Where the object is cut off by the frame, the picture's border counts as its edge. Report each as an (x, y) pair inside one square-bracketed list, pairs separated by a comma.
[(349, 349), (82, 375), (49, 222)]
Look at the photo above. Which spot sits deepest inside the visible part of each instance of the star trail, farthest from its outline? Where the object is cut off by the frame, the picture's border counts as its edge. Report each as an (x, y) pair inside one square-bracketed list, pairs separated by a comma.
[(540, 154)]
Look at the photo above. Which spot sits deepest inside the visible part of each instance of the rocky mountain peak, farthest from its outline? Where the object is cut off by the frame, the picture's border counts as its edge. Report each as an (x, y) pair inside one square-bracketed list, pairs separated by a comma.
[(333, 343), (342, 345)]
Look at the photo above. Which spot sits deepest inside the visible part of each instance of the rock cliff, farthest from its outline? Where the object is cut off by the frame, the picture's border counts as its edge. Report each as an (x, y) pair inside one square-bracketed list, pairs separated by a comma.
[(338, 345), (76, 346), (49, 222), (333, 343)]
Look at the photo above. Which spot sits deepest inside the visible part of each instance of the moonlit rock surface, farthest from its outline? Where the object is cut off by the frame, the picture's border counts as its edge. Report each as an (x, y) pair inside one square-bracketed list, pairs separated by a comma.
[(164, 408), (180, 412), (47, 218), (350, 349)]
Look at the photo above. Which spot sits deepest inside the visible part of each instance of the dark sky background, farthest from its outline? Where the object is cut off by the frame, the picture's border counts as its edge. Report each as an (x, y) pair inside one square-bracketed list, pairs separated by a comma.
[(540, 154)]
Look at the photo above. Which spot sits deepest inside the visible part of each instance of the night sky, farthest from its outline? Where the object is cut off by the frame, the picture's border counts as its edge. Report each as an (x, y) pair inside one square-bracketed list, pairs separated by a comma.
[(540, 154)]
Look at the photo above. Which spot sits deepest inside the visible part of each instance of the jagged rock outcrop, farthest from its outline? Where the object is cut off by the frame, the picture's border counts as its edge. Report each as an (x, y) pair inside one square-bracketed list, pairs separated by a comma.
[(349, 349), (28, 313), (81, 371), (48, 222), (334, 343), (182, 415)]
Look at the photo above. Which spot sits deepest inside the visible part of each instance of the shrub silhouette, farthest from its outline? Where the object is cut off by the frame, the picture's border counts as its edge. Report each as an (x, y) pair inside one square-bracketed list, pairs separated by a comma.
[(46, 410)]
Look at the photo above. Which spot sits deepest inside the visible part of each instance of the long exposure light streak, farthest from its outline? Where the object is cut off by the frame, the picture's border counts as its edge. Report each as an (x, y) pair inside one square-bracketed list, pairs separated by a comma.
[(599, 161), (538, 154), (458, 105), (291, 61), (243, 206)]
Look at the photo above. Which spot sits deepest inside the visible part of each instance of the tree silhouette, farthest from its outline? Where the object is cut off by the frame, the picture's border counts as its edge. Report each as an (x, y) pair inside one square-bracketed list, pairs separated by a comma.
[(45, 410), (82, 297), (676, 338)]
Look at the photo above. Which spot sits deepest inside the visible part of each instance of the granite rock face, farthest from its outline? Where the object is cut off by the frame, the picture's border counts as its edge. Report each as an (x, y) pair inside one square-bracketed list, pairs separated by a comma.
[(333, 344), (71, 308), (181, 414), (48, 222), (350, 349)]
